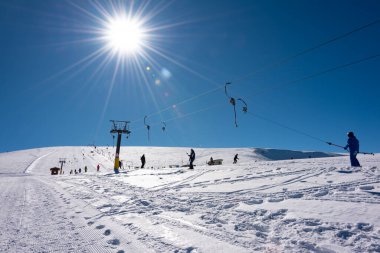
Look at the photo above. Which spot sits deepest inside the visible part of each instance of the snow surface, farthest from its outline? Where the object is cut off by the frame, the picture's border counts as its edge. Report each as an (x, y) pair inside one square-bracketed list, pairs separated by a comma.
[(270, 201)]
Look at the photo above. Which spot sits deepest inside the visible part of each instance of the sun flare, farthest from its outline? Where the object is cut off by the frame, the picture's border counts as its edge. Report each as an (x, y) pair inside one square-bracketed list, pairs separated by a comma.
[(124, 35)]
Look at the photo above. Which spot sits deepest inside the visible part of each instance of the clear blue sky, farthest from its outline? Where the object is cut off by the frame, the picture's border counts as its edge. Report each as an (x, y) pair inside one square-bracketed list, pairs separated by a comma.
[(55, 92)]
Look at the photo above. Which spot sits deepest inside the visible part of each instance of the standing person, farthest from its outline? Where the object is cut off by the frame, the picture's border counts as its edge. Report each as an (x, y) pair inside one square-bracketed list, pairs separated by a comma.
[(120, 164), (191, 158), (236, 158), (353, 147), (142, 161), (80, 170), (97, 168), (85, 168)]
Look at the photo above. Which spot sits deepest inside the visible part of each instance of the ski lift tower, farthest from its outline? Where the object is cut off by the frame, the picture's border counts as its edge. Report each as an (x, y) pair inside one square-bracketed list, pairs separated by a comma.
[(62, 161), (120, 127)]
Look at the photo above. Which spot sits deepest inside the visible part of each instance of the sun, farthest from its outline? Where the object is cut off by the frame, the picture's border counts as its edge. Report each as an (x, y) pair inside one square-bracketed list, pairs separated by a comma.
[(124, 35)]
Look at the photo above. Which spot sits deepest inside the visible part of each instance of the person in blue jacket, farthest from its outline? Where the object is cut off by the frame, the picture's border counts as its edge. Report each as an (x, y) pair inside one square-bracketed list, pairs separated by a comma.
[(353, 147)]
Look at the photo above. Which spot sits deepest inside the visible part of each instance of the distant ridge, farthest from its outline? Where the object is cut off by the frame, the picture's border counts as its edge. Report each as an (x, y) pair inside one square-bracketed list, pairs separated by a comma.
[(282, 154)]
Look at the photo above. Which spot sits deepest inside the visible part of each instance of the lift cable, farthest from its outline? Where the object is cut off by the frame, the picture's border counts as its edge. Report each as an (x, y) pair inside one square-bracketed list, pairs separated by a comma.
[(283, 85), (286, 127), (188, 114), (273, 65), (342, 66), (308, 50), (182, 102), (301, 132)]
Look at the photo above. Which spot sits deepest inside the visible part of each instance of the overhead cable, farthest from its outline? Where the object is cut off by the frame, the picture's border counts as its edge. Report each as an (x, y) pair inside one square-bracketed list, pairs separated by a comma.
[(273, 65)]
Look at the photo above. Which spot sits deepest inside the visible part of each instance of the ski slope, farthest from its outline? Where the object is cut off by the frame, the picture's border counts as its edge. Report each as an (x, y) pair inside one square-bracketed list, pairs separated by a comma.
[(270, 201)]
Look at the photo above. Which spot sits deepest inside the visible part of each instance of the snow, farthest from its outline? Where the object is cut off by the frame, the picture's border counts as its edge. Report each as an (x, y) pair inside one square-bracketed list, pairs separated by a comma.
[(270, 201)]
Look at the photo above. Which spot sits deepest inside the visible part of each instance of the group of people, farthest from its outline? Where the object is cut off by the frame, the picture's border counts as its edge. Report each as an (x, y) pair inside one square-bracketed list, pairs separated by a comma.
[(79, 170), (212, 162), (352, 146), (142, 159), (85, 170), (191, 159)]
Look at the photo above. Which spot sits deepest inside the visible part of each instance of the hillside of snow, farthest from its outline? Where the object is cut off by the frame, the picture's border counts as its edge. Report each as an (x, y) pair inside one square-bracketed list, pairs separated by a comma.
[(78, 157), (270, 201)]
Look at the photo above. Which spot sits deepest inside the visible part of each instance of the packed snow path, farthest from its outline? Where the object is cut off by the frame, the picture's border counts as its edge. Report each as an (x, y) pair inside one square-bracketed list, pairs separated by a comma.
[(36, 218), (310, 205)]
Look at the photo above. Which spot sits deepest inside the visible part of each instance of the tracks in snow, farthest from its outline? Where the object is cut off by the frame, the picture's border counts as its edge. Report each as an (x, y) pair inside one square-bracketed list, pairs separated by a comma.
[(215, 211)]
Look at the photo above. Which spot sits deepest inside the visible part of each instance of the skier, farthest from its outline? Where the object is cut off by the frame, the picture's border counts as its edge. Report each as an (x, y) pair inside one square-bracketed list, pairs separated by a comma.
[(353, 146), (211, 162), (71, 172), (76, 171), (85, 168), (80, 170), (236, 158), (191, 158), (97, 168), (120, 165), (142, 161)]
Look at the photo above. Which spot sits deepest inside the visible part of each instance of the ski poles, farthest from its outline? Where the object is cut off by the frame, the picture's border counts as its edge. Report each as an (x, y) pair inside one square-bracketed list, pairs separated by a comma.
[(364, 153), (332, 144)]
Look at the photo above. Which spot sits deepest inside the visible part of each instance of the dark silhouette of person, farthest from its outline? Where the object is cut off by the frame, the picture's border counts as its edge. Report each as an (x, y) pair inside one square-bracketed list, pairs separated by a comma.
[(191, 158), (97, 167), (80, 170), (142, 161), (353, 147), (211, 161), (120, 164), (85, 168), (236, 158)]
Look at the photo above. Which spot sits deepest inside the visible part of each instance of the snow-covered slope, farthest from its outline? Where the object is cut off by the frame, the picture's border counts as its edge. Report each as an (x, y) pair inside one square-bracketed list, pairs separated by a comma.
[(157, 157), (270, 201)]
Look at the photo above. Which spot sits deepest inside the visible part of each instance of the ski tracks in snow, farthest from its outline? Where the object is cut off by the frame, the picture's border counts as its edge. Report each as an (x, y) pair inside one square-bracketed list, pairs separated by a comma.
[(38, 220), (165, 218), (142, 213)]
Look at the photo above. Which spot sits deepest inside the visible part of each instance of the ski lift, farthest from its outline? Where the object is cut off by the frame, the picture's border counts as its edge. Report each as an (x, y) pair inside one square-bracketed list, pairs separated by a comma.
[(245, 107), (147, 127), (233, 102), (163, 126)]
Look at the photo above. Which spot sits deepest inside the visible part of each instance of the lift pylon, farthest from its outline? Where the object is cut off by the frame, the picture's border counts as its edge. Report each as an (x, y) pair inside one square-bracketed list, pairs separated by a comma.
[(62, 161), (120, 127)]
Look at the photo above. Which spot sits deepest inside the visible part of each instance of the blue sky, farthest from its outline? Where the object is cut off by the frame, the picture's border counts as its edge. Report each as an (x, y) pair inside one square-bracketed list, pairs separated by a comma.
[(54, 92)]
